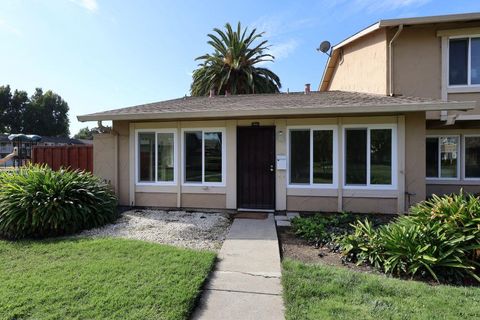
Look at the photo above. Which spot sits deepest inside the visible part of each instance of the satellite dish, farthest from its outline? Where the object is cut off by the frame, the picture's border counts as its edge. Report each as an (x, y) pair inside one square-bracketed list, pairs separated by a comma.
[(325, 47)]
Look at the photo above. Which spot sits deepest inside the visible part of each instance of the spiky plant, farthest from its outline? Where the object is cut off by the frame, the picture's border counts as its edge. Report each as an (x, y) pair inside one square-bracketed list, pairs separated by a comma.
[(37, 202), (234, 64)]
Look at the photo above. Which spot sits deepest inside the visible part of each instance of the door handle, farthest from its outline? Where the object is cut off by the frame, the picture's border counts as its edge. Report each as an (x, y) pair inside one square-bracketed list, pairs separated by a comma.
[(272, 168)]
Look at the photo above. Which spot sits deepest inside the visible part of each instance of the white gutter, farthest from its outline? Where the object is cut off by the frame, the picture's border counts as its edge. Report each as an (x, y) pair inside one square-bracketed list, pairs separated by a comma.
[(390, 52)]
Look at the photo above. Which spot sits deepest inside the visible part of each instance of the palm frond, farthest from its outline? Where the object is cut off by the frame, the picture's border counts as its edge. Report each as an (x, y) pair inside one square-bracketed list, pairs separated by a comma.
[(231, 66)]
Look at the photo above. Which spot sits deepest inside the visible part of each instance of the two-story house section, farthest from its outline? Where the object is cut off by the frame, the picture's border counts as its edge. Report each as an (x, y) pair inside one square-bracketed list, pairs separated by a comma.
[(435, 57)]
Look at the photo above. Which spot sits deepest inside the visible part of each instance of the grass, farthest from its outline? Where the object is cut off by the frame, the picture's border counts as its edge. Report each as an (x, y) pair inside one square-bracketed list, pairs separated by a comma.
[(99, 279), (325, 292)]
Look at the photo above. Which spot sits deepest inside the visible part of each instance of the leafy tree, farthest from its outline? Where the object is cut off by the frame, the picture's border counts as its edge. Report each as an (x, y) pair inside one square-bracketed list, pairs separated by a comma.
[(5, 98), (233, 66), (12, 109), (15, 115), (47, 114), (85, 134), (44, 113)]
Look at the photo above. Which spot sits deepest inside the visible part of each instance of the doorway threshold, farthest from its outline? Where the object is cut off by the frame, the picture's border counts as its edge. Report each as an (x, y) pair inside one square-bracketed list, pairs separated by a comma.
[(255, 210)]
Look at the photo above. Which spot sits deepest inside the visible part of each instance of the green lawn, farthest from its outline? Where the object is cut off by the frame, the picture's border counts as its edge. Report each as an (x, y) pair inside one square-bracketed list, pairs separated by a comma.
[(325, 292), (99, 279)]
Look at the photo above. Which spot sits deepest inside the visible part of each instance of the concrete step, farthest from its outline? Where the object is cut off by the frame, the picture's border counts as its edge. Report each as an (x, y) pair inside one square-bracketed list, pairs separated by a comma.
[(284, 223)]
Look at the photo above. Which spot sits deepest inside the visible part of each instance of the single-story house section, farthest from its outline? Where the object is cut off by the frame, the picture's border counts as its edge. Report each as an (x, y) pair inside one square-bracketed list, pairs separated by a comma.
[(316, 151)]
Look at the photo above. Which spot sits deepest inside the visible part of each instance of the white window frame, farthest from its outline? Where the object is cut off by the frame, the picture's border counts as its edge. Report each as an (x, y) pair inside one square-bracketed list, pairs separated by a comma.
[(469, 84), (203, 183), (459, 158), (137, 160), (464, 145), (394, 173), (312, 185)]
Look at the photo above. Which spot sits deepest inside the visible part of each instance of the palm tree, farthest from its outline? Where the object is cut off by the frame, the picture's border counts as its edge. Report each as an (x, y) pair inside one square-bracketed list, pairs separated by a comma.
[(232, 66)]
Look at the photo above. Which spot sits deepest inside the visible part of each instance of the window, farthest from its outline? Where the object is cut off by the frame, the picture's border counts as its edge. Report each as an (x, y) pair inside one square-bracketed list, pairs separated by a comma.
[(464, 61), (165, 157), (312, 156), (442, 157), (356, 156), (381, 156), (472, 157), (156, 156), (369, 155), (204, 156), (146, 142)]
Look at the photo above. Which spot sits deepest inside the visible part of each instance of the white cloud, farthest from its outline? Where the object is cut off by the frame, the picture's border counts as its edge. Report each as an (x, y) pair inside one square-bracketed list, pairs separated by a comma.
[(4, 25), (388, 5), (284, 49), (281, 50), (90, 5)]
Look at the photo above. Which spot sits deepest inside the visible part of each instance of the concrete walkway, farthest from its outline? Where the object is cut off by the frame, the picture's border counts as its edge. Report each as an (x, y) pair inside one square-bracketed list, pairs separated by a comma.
[(246, 283)]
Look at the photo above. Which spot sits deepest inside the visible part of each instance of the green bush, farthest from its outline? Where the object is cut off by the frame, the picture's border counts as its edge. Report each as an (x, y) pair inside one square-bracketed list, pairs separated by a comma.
[(39, 202), (440, 237), (322, 228)]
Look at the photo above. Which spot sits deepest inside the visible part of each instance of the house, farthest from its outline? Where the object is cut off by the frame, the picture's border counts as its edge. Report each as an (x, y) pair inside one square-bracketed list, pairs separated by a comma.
[(393, 121), (430, 57)]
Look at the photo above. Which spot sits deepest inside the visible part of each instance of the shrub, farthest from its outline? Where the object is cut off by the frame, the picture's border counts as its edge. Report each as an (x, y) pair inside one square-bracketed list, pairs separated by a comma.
[(440, 237), (322, 228), (39, 202)]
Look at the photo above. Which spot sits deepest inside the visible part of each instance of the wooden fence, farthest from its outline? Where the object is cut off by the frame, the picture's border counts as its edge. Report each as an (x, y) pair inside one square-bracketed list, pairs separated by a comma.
[(73, 157)]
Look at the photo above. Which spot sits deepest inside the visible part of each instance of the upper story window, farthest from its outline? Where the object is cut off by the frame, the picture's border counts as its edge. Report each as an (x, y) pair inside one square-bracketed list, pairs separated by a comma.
[(464, 61)]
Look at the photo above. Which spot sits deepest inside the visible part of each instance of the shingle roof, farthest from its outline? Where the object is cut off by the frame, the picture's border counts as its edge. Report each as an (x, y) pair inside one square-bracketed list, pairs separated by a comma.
[(331, 102)]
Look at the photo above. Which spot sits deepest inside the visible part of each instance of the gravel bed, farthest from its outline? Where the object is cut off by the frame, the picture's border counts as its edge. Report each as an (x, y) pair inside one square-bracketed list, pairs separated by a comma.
[(195, 230)]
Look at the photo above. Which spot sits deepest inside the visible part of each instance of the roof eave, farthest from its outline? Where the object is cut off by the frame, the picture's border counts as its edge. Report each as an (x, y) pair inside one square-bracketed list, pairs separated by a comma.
[(332, 110)]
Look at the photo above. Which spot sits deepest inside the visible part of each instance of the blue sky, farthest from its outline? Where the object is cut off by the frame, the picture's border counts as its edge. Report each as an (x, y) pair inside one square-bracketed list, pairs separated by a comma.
[(106, 54)]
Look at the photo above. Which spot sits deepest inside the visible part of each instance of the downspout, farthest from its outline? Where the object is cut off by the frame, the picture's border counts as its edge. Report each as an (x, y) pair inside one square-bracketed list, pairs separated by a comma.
[(390, 60)]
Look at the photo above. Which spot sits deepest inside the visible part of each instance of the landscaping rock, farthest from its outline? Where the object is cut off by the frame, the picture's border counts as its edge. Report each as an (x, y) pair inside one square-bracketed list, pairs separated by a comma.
[(195, 230)]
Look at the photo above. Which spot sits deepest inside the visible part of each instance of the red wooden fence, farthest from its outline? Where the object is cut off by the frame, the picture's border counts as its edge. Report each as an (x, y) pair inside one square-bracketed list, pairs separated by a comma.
[(73, 157)]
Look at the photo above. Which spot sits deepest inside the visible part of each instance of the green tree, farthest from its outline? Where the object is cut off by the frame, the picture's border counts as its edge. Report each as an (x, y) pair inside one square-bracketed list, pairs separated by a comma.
[(85, 134), (12, 110), (5, 100), (47, 114), (233, 65), (15, 115)]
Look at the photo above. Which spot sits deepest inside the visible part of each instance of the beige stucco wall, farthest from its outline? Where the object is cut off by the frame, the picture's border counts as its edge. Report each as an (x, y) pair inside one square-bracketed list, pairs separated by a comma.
[(370, 205), (466, 97), (121, 128), (156, 199), (312, 203), (441, 189), (204, 200), (104, 158), (417, 62), (415, 167), (287, 198), (362, 65)]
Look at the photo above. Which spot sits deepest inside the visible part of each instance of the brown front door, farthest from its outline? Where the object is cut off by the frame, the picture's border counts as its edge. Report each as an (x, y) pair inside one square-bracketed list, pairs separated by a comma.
[(256, 168)]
